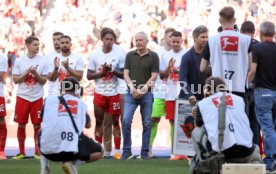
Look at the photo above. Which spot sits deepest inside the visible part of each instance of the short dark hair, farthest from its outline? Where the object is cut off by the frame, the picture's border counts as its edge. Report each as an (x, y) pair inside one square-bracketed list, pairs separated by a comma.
[(69, 84), (248, 27), (107, 30), (199, 30), (57, 33), (66, 36), (176, 34), (30, 39), (227, 13), (215, 84)]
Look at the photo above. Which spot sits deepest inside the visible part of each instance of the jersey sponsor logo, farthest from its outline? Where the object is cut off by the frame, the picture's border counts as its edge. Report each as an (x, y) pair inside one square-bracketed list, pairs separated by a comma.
[(229, 43), (73, 106), (228, 101)]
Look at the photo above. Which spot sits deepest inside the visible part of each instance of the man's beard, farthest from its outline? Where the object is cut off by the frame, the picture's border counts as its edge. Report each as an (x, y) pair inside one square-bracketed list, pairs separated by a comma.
[(65, 50)]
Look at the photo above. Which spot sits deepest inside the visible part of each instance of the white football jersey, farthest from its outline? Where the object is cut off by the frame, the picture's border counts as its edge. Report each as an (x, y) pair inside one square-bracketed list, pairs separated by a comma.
[(237, 128), (58, 133), (3, 68), (30, 89), (107, 85), (173, 87), (229, 58)]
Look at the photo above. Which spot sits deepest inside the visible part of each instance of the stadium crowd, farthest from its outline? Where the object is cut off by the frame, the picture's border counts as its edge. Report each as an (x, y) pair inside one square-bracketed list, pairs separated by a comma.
[(99, 44)]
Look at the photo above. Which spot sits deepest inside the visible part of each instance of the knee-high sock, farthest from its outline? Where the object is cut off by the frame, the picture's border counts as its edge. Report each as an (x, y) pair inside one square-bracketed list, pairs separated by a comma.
[(154, 126), (36, 140), (171, 131), (43, 162), (21, 136), (117, 136), (3, 136)]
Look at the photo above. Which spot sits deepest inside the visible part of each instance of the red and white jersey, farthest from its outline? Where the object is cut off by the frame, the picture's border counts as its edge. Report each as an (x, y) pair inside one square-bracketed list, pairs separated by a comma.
[(30, 89), (229, 58), (107, 85), (173, 87), (3, 68), (58, 133), (75, 62), (53, 86), (237, 128)]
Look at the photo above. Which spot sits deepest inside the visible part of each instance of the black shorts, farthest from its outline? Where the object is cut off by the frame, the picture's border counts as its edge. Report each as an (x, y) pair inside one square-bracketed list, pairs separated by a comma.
[(71, 156)]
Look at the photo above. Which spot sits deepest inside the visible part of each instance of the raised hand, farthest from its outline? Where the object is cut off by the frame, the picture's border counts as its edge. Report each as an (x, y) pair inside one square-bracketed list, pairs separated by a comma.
[(56, 63), (65, 63)]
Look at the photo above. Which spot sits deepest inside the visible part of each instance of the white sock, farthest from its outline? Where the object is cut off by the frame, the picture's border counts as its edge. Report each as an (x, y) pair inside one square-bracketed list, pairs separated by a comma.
[(117, 150), (78, 162), (44, 162)]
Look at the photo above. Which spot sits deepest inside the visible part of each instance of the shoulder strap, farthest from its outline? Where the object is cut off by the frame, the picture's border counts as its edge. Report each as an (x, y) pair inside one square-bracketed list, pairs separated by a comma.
[(221, 121), (62, 101)]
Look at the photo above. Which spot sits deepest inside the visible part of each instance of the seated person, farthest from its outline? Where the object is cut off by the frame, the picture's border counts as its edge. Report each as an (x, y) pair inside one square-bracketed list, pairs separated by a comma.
[(58, 139), (237, 145)]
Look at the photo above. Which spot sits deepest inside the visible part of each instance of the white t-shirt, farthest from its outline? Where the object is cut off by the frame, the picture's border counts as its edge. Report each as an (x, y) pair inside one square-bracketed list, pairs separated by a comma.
[(237, 129), (160, 85), (75, 62), (30, 89), (58, 133), (3, 68), (229, 58), (173, 87), (107, 85), (53, 86)]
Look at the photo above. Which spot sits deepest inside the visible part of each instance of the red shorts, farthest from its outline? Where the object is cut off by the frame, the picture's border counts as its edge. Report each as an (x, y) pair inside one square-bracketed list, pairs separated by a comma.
[(2, 107), (24, 108), (170, 105), (111, 104)]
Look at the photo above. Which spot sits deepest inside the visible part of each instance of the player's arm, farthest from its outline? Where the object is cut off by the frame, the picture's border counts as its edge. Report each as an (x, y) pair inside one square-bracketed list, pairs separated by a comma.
[(118, 73), (75, 73), (166, 72), (42, 79), (20, 78), (54, 74), (2, 76), (91, 75)]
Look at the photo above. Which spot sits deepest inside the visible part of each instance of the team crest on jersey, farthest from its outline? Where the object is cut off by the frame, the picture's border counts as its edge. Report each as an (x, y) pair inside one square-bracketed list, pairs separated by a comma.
[(229, 43), (228, 101), (73, 106)]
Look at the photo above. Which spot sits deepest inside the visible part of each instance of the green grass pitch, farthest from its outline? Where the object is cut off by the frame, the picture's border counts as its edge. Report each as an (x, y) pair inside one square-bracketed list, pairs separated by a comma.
[(105, 166)]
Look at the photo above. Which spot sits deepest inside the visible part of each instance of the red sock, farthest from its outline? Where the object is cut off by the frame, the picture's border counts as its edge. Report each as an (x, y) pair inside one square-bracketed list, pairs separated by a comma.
[(36, 140), (117, 142), (21, 136), (99, 139), (3, 136)]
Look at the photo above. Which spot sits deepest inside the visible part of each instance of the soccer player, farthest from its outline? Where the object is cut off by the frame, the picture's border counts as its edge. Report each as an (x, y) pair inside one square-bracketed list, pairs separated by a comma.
[(228, 53), (105, 66), (3, 126), (30, 72), (53, 86), (158, 107), (170, 66)]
